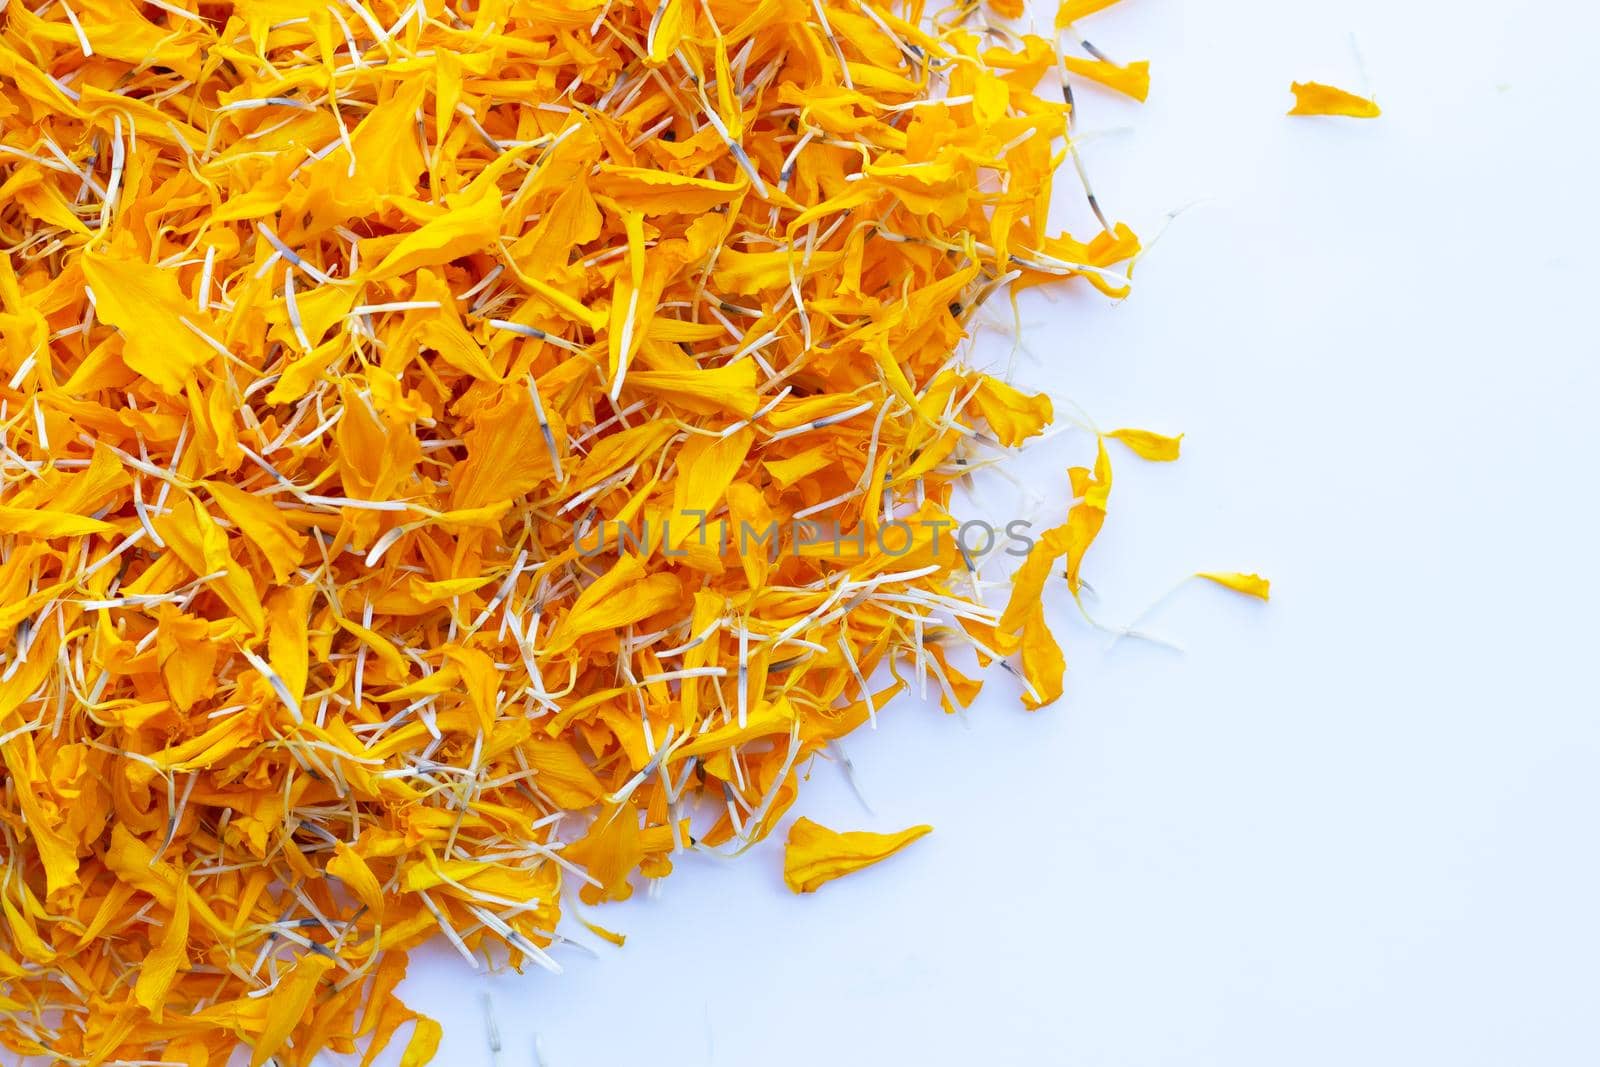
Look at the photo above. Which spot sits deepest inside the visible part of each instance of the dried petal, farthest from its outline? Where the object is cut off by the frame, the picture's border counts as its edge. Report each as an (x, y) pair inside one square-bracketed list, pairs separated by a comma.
[(1314, 98), (815, 855), (1248, 584)]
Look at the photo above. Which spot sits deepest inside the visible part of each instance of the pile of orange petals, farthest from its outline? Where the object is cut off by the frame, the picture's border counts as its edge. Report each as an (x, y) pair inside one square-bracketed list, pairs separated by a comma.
[(383, 391)]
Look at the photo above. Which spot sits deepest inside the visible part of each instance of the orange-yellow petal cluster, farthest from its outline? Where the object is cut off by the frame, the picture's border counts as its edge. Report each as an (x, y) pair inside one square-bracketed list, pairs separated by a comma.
[(455, 458)]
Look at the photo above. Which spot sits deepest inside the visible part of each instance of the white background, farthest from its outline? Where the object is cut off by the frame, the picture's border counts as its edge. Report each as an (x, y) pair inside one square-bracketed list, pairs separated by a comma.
[(1354, 826)]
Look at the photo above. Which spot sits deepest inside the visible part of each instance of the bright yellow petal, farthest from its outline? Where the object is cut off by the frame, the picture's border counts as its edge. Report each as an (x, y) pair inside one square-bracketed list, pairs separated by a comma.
[(1130, 80), (1152, 446), (1314, 98), (348, 866), (160, 967), (39, 523), (287, 1007), (1248, 584), (815, 855), (424, 1043), (263, 525), (1072, 10), (161, 330)]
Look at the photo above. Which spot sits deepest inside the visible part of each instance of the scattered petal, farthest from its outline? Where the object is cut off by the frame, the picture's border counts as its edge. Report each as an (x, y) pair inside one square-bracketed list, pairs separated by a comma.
[(1155, 447), (815, 855), (1248, 584), (1314, 98)]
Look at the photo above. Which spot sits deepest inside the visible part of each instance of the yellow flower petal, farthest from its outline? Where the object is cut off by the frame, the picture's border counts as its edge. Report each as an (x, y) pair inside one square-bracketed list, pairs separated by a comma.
[(1042, 662), (1130, 80), (472, 224), (1314, 98), (263, 525), (348, 866), (1152, 446), (1248, 584), (41, 523), (815, 855), (160, 968), (161, 330), (1072, 10), (287, 1007), (424, 1043)]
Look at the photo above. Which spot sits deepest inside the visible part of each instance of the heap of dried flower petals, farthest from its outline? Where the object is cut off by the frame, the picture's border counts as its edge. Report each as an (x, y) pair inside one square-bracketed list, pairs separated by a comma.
[(335, 336)]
